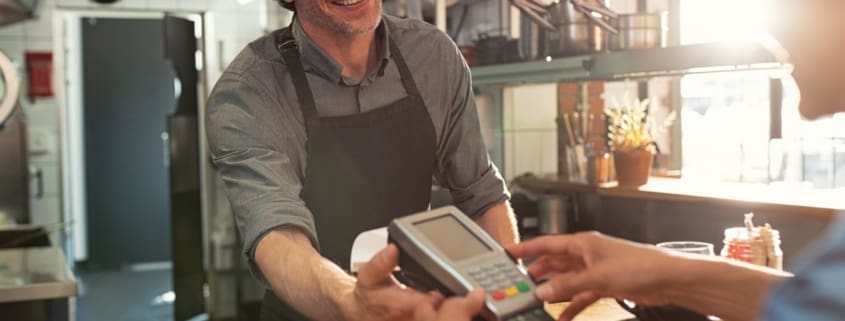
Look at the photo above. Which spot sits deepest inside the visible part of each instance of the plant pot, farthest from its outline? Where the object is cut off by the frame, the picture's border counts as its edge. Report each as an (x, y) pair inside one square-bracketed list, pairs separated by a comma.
[(632, 168)]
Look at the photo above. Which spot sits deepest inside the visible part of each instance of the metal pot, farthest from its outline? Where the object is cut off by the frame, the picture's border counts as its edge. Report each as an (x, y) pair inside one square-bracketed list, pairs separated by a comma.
[(639, 31), (553, 213), (576, 39)]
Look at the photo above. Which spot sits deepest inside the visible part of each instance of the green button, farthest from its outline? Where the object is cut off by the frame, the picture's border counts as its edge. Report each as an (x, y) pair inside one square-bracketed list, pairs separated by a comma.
[(523, 287)]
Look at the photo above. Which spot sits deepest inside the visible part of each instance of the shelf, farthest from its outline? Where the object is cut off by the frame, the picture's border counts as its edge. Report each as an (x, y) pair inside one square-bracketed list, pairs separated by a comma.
[(680, 60), (818, 203)]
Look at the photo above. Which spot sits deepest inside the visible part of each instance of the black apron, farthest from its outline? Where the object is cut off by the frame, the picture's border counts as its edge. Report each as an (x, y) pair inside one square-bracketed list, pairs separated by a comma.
[(362, 170)]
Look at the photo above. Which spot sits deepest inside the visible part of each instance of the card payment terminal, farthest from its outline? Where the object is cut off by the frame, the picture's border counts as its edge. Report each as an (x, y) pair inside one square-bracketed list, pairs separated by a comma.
[(445, 250)]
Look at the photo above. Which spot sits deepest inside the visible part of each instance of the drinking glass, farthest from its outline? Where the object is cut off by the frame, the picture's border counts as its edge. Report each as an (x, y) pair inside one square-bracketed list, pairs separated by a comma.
[(693, 247)]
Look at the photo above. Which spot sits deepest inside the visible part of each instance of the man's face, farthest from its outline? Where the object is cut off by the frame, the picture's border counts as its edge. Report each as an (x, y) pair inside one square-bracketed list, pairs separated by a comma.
[(345, 17), (813, 32)]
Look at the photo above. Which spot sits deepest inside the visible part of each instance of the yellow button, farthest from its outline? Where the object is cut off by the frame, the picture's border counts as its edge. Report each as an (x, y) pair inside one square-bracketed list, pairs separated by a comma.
[(511, 291)]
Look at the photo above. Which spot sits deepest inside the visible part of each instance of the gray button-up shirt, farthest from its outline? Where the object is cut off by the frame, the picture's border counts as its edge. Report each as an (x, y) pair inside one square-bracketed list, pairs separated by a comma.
[(257, 134)]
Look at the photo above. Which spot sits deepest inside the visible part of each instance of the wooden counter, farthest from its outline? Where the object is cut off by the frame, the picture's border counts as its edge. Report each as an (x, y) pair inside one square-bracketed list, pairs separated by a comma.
[(819, 203), (603, 310)]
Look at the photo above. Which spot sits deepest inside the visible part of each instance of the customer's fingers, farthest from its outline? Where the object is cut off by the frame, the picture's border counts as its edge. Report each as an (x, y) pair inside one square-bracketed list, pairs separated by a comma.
[(567, 285), (551, 264), (580, 302), (547, 245)]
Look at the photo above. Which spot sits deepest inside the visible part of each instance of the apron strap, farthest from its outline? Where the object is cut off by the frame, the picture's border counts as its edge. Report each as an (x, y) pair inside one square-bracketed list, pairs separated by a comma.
[(286, 45), (404, 71)]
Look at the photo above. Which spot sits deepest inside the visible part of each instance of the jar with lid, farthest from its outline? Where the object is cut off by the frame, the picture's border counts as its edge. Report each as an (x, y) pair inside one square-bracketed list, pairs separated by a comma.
[(760, 246)]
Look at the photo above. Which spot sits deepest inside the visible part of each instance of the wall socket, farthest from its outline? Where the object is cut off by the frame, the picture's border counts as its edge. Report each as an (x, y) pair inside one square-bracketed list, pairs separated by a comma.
[(40, 141)]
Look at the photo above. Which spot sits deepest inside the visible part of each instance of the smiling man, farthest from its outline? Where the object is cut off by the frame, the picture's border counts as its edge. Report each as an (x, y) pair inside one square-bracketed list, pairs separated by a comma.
[(336, 125)]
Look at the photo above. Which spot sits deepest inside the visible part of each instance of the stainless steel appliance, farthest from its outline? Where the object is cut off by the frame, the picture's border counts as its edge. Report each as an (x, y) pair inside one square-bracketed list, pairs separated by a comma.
[(14, 166), (12, 11)]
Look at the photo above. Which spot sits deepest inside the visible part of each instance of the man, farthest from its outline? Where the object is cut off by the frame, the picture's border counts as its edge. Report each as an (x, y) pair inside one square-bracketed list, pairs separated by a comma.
[(589, 266), (337, 125)]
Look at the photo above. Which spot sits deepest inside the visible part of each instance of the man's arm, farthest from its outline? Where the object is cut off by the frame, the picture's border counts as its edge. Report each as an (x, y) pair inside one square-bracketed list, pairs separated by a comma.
[(500, 222), (322, 291), (298, 275)]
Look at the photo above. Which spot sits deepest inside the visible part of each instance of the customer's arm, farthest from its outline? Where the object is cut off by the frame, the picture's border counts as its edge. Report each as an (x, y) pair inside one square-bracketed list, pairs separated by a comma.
[(713, 285), (587, 266)]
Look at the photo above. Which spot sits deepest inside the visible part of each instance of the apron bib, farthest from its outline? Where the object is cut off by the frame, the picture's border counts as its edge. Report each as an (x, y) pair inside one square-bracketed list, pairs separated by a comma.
[(362, 170)]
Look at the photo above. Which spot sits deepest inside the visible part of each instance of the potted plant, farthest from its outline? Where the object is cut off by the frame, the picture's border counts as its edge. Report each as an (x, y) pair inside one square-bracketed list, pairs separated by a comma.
[(631, 131)]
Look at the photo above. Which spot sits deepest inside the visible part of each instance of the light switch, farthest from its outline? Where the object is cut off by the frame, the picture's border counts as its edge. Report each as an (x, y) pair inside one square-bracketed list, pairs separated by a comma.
[(39, 141)]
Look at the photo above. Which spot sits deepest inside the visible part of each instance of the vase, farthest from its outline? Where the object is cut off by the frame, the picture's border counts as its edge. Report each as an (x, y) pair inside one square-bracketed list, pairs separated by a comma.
[(632, 167)]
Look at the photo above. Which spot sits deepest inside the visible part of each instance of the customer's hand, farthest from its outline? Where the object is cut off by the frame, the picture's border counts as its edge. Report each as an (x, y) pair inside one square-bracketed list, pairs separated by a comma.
[(587, 266), (453, 309), (378, 296)]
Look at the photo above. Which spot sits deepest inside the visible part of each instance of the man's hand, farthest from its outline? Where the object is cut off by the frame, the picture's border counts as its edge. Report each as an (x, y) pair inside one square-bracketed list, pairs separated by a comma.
[(453, 309), (378, 296), (588, 266)]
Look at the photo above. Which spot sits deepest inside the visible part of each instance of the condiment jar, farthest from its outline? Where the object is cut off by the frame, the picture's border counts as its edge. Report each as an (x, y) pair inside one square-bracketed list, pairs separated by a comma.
[(760, 246)]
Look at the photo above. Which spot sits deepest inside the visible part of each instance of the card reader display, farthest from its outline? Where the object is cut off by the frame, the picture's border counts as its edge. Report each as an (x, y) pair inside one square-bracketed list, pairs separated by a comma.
[(445, 250)]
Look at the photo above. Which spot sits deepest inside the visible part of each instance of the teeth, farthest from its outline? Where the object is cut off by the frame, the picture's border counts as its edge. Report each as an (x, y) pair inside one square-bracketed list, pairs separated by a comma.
[(346, 2)]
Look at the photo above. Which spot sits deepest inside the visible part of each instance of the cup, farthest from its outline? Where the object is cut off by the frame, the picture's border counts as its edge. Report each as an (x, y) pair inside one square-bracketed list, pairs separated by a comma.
[(692, 247), (662, 313), (671, 312)]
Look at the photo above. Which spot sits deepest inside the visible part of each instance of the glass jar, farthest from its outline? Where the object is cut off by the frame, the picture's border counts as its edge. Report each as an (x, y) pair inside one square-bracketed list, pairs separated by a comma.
[(760, 246)]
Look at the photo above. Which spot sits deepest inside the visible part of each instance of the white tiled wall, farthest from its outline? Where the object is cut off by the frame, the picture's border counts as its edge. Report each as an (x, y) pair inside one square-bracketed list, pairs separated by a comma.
[(235, 23), (529, 129)]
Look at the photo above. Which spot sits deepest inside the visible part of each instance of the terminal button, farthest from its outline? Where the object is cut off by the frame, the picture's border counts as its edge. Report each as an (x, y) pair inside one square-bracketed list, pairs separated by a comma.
[(511, 291), (523, 287), (498, 295)]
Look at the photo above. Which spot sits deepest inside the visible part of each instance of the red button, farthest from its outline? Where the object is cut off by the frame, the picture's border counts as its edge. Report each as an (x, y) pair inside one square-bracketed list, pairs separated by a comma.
[(499, 295)]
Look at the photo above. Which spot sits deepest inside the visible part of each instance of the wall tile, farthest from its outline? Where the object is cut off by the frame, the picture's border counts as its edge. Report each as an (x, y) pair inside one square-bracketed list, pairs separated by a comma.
[(14, 31), (13, 48), (194, 5), (165, 5), (535, 106), (74, 3), (249, 25), (528, 149), (510, 156), (508, 108), (42, 26), (224, 5)]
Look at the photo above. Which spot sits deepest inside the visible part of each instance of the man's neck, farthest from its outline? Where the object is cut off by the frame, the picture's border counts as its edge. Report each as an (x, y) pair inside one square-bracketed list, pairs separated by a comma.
[(355, 53)]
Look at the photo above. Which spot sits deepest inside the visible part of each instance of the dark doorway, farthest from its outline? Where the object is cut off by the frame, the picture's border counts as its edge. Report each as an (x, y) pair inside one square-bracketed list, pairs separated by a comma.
[(129, 92)]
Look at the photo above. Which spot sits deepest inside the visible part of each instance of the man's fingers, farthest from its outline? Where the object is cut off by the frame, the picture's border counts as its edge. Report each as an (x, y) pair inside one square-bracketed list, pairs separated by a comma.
[(378, 270), (425, 312), (580, 302), (463, 308)]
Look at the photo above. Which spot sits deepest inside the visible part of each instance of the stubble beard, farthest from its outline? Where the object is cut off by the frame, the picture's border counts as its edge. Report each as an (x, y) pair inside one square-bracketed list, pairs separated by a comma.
[(311, 11)]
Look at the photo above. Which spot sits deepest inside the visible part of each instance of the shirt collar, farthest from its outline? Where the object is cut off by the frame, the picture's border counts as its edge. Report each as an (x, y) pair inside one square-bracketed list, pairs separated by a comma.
[(314, 58)]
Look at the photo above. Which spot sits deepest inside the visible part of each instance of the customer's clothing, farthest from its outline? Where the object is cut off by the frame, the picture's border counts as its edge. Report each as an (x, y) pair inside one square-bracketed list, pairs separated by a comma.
[(817, 292)]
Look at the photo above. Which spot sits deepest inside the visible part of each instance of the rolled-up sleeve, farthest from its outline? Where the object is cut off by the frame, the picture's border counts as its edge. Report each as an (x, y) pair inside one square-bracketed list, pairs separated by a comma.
[(463, 163), (258, 161)]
